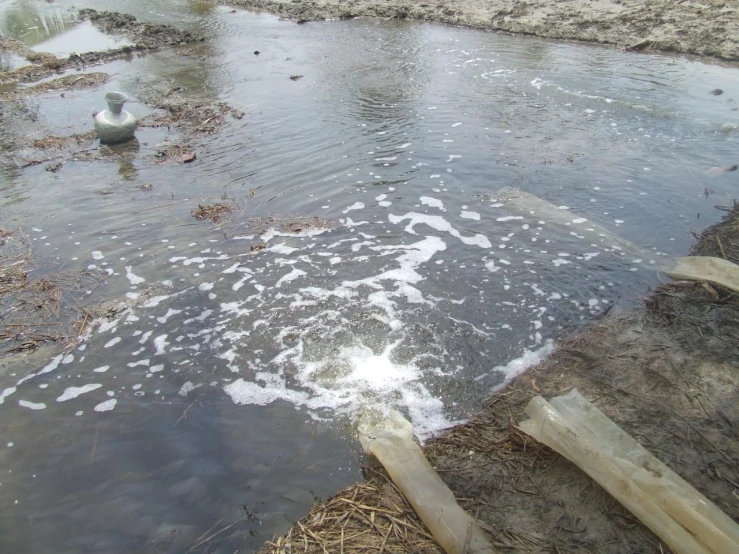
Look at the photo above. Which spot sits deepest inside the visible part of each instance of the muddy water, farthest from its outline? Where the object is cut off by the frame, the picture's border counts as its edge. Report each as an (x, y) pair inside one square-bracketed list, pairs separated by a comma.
[(227, 390)]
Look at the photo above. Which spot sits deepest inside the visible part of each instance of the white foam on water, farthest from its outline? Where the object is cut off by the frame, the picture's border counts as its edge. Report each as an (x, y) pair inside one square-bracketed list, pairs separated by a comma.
[(106, 406), (133, 278), (186, 388), (48, 368), (97, 255), (198, 260), (31, 405), (527, 360), (205, 314), (250, 393), (271, 233), (354, 380), (171, 312), (112, 342), (73, 392), (155, 300), (294, 274), (440, 224), (355, 206), (281, 248), (470, 215), (7, 392), (160, 344), (509, 218), (101, 369), (432, 202)]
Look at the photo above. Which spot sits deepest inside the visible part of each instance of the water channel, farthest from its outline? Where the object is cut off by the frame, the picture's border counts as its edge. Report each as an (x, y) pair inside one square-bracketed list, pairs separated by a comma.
[(231, 392)]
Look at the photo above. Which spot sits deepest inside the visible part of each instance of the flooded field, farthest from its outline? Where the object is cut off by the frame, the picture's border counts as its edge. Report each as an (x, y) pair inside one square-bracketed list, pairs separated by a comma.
[(369, 257)]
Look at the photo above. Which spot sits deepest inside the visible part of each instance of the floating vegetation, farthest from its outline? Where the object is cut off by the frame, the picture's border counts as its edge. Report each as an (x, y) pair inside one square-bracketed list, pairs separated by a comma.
[(37, 303)]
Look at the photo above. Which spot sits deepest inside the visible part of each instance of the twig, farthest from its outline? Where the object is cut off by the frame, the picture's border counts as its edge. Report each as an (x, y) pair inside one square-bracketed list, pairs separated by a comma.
[(226, 528), (94, 446), (721, 246), (184, 414)]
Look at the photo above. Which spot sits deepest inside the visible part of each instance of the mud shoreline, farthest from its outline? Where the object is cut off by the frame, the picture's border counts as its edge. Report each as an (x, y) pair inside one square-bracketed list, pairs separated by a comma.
[(666, 373), (145, 37), (707, 28)]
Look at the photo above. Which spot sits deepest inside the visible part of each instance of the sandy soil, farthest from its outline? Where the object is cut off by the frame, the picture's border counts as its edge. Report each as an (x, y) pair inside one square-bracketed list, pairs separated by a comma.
[(702, 27), (665, 373)]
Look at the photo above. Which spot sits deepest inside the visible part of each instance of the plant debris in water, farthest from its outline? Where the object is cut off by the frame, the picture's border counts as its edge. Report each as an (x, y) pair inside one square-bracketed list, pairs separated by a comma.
[(215, 213), (40, 308), (198, 116), (52, 142), (167, 152)]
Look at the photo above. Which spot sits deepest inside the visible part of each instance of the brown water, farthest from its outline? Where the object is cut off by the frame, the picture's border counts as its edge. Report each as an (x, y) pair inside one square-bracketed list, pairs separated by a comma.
[(231, 395)]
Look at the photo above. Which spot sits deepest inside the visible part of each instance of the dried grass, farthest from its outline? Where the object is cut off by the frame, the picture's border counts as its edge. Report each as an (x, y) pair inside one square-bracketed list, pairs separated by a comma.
[(721, 240), (372, 516)]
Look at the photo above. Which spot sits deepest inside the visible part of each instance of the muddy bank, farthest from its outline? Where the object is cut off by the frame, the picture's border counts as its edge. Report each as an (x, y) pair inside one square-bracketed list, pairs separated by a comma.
[(666, 374), (705, 28), (145, 37)]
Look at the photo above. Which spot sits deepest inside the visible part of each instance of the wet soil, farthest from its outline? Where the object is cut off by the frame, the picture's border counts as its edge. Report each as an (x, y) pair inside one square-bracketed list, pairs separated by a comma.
[(666, 374), (705, 28), (145, 37)]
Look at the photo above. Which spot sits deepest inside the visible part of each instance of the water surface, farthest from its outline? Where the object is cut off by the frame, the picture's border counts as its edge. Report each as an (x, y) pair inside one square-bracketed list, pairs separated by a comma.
[(229, 388)]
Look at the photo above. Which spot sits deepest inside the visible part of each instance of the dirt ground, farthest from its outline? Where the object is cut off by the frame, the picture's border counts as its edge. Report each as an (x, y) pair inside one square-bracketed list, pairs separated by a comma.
[(702, 27), (668, 374)]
